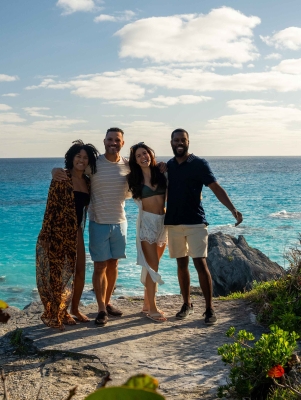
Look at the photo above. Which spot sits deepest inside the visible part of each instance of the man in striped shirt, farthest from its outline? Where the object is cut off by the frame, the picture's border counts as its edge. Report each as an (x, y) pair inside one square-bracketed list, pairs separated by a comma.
[(107, 221)]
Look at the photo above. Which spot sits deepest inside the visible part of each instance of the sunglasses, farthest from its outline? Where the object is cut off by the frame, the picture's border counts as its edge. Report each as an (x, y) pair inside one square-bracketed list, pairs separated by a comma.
[(136, 145)]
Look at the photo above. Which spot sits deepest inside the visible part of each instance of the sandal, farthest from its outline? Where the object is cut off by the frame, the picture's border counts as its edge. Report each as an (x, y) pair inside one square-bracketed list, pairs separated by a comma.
[(156, 317), (147, 311)]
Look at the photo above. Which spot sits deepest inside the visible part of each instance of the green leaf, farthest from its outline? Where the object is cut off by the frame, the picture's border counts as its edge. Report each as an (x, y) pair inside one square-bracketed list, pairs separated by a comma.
[(142, 381), (124, 393)]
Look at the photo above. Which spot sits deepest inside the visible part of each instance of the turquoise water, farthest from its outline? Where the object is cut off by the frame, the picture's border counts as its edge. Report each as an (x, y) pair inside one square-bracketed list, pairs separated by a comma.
[(266, 190)]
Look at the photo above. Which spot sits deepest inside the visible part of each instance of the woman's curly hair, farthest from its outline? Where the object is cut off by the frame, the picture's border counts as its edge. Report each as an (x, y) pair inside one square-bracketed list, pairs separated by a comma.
[(135, 177), (79, 145)]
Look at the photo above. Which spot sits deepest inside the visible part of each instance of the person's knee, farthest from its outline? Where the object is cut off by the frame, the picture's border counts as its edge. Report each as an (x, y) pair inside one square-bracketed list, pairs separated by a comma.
[(112, 263), (200, 264), (183, 263), (80, 274), (100, 267)]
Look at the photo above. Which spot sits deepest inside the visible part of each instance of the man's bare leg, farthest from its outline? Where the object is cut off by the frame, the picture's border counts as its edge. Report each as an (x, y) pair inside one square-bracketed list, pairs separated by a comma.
[(204, 279), (100, 283), (111, 276), (184, 278)]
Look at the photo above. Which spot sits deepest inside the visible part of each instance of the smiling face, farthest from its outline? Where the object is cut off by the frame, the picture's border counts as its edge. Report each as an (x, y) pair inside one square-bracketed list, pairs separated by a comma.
[(113, 142), (81, 160), (180, 144), (143, 158)]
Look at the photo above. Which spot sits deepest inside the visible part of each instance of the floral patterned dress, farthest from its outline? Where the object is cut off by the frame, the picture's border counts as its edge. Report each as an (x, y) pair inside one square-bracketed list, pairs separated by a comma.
[(56, 252)]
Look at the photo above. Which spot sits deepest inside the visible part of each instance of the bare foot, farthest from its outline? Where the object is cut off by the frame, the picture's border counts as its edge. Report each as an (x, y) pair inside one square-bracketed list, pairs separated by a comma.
[(68, 320), (80, 316)]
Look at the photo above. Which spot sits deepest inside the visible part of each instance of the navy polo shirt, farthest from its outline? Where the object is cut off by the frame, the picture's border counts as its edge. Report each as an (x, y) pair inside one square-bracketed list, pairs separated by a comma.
[(185, 183)]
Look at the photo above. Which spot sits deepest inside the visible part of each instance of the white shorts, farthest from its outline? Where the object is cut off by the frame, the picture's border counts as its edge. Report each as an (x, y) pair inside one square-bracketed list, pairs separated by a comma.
[(152, 229), (187, 240)]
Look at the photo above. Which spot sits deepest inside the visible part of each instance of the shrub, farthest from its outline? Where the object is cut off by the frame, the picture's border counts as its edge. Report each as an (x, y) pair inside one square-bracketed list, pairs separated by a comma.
[(250, 365)]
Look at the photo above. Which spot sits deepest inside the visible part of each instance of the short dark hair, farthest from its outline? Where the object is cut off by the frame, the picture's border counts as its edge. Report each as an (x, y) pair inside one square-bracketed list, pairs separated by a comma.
[(115, 129), (179, 130), (79, 145)]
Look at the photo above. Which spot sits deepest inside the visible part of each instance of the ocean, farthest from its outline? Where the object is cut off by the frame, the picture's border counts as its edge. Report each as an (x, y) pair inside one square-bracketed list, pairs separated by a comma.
[(267, 190)]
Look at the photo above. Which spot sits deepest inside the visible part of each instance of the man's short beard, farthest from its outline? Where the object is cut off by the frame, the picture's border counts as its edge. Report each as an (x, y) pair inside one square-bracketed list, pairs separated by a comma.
[(183, 154)]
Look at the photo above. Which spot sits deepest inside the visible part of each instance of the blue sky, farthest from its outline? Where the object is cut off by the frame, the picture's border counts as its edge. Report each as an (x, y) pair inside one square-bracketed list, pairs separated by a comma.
[(228, 72)]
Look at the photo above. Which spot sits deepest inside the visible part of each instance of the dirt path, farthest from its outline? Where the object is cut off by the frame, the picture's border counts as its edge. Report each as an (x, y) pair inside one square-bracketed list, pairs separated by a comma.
[(182, 355)]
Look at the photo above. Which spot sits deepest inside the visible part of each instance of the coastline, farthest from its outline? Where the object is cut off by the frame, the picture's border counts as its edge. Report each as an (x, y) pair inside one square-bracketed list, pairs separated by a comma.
[(181, 354)]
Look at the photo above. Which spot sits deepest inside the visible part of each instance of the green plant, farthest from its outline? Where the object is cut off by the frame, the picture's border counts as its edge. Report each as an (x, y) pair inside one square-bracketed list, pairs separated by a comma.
[(250, 364), (16, 339), (278, 302), (138, 387)]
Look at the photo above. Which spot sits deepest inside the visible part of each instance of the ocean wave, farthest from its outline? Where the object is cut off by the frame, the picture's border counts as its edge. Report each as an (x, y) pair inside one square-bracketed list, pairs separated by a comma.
[(283, 214), (233, 230)]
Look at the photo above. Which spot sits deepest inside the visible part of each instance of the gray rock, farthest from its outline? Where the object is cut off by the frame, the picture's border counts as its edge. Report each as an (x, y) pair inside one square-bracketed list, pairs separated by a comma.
[(234, 265)]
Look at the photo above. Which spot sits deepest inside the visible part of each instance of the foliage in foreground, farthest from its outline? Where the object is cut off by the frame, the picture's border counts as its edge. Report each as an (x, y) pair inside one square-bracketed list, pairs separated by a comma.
[(255, 369), (138, 387), (278, 302), (4, 317)]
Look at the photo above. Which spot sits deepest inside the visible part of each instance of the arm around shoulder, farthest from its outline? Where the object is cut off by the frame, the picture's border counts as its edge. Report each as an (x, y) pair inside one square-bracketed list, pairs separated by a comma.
[(59, 174)]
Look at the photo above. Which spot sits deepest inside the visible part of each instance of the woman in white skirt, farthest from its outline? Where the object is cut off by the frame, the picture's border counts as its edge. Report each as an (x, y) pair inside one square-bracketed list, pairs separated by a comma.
[(148, 187)]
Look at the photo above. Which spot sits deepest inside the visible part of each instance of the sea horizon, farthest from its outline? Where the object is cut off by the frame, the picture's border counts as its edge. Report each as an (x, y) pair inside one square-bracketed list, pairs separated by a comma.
[(265, 189)]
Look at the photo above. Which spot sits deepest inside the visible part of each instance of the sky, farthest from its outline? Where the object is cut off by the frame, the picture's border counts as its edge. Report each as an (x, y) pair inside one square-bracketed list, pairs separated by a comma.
[(227, 72)]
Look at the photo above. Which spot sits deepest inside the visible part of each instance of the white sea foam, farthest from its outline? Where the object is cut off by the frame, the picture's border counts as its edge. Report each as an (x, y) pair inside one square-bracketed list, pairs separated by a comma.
[(283, 214)]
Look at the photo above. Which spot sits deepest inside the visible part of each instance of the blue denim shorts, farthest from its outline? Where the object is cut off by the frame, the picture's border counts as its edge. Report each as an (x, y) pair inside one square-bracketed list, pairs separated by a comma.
[(107, 241)]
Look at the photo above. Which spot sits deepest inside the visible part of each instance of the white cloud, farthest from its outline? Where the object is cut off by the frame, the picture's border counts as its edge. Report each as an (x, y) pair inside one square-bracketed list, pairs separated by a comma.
[(110, 85), (54, 125), (8, 78), (224, 33), (113, 86), (135, 104), (257, 127), (50, 83), (289, 38), (10, 95), (184, 99), (71, 6), (250, 66), (4, 107), (291, 66), (273, 56), (126, 15), (133, 84), (34, 111), (10, 117)]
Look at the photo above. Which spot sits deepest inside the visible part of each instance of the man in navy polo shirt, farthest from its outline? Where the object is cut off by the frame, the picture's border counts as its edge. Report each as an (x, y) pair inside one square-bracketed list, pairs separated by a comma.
[(186, 221)]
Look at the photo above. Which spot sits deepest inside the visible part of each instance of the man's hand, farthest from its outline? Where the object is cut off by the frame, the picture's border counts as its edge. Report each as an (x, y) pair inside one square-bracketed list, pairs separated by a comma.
[(59, 174), (162, 166), (237, 215)]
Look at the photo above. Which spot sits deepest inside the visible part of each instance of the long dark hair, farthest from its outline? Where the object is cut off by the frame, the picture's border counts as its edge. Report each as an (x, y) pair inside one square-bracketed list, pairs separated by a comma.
[(135, 177), (79, 145)]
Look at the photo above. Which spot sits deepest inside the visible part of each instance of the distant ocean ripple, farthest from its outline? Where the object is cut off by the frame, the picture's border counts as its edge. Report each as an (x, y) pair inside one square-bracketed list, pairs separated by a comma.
[(267, 190)]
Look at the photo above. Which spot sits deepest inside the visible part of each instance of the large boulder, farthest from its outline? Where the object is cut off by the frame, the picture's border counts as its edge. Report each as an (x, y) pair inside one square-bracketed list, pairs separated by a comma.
[(234, 265)]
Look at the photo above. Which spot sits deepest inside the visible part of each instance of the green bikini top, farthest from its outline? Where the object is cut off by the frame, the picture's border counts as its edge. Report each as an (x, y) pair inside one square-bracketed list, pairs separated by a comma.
[(148, 192)]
